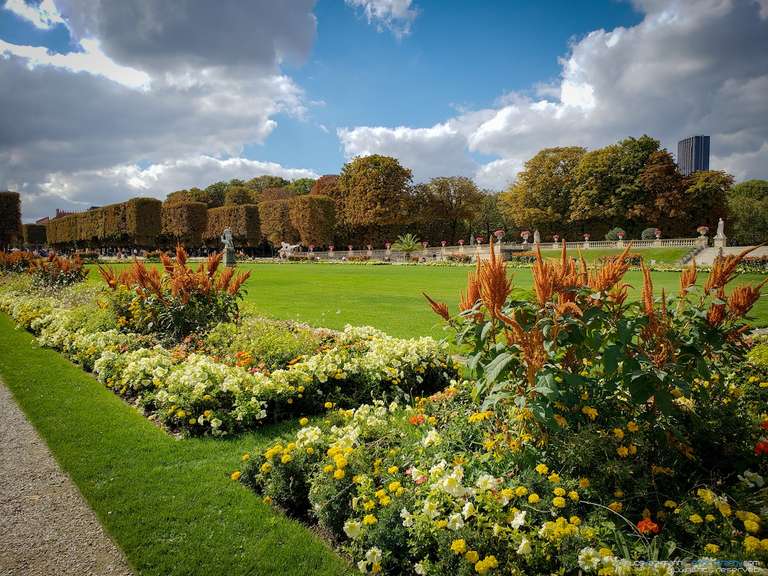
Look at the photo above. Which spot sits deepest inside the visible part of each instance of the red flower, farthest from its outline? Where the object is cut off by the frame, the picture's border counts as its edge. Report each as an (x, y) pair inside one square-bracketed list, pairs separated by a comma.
[(761, 448), (648, 526), (417, 419), (764, 425)]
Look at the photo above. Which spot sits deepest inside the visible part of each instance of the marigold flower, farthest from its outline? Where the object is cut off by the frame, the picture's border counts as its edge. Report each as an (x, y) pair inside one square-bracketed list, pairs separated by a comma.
[(647, 526), (590, 412), (235, 475), (369, 520), (712, 548), (542, 469), (534, 498), (472, 556), (459, 546), (558, 502), (632, 426), (695, 519)]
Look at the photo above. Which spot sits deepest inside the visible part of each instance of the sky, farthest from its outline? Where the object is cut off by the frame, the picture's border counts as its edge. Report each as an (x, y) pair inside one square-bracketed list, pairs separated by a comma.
[(103, 100)]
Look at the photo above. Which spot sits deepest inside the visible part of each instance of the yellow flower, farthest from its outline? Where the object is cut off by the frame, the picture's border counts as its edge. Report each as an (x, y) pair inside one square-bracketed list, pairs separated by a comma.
[(533, 498), (618, 493), (521, 491), (554, 478), (751, 544), (583, 483), (605, 552), (339, 474), (695, 518), (267, 499), (618, 433), (235, 475), (392, 469), (328, 405), (459, 546), (632, 426), (285, 458), (709, 518), (632, 449), (616, 506), (375, 567), (472, 556), (245, 457), (303, 421), (751, 526), (542, 469), (440, 524), (712, 548), (328, 468), (487, 563), (266, 468), (310, 450), (622, 451), (724, 508), (670, 504), (559, 491), (573, 495), (575, 520), (369, 520), (590, 412), (558, 502)]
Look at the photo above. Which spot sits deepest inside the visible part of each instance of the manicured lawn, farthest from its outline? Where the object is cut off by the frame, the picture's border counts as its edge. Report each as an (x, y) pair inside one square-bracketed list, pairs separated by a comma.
[(169, 504), (389, 297)]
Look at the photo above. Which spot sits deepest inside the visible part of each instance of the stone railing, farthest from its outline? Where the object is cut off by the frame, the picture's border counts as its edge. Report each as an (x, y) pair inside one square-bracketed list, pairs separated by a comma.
[(482, 250)]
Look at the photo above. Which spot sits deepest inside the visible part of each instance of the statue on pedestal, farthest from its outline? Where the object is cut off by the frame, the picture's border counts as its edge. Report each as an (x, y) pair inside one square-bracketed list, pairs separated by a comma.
[(720, 240), (536, 237), (229, 248)]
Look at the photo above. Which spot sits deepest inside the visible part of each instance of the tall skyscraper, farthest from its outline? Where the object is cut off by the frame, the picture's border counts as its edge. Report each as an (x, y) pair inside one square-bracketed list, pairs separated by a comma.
[(693, 154)]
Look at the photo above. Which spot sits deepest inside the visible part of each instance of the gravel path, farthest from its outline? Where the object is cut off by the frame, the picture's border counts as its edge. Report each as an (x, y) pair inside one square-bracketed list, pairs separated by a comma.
[(46, 528)]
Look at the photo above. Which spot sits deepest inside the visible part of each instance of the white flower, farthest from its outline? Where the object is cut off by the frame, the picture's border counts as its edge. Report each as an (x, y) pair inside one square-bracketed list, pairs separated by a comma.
[(451, 484), (407, 517), (589, 559), (486, 482), (419, 569), (518, 520), (455, 521), (353, 529), (468, 510), (432, 438), (430, 509), (373, 555), (362, 565), (525, 547)]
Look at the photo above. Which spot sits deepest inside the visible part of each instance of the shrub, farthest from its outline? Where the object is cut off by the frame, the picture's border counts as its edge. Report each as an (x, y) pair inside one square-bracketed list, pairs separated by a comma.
[(613, 234), (242, 220), (177, 301), (63, 231), (10, 218), (648, 234), (314, 219), (185, 222), (34, 234), (276, 225), (57, 271), (632, 259)]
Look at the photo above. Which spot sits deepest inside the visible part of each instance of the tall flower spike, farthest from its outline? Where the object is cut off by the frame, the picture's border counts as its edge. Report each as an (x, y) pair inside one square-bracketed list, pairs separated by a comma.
[(688, 278), (440, 308), (742, 299), (647, 291), (723, 270), (495, 285)]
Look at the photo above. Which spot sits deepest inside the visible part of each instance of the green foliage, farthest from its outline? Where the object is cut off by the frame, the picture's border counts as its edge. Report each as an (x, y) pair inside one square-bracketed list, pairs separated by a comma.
[(542, 194), (407, 244), (264, 343), (236, 195), (301, 186), (57, 271), (10, 218), (445, 207), (648, 234), (242, 220), (613, 234), (261, 183), (758, 356), (748, 208), (34, 234), (375, 191)]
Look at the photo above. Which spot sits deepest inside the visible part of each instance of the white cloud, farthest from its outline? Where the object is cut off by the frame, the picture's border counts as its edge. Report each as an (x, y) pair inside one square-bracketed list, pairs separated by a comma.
[(43, 16), (689, 67), (91, 60), (395, 15)]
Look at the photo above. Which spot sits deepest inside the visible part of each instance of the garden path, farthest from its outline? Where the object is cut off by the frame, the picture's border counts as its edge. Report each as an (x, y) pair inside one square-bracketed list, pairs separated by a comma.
[(45, 525)]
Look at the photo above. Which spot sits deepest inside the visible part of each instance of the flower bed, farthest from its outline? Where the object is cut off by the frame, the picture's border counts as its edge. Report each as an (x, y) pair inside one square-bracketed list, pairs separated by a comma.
[(233, 378)]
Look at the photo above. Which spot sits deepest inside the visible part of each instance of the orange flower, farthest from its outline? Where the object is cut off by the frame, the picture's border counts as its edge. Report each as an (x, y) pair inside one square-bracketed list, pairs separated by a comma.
[(648, 526)]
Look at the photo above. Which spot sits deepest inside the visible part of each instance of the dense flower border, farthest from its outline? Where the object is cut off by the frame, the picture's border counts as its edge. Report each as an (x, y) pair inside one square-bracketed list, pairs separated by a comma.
[(195, 394)]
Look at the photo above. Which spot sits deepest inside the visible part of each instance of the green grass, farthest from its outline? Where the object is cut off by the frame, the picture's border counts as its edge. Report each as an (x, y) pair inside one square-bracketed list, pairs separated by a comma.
[(660, 255), (169, 504), (389, 297)]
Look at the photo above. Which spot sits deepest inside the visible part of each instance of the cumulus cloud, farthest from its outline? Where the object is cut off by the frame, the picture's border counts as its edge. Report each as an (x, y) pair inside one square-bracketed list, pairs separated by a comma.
[(689, 67), (394, 15), (43, 16), (120, 102)]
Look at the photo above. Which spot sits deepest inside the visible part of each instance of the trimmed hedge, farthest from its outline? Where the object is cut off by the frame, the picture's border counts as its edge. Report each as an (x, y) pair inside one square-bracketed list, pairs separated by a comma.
[(185, 223), (10, 217), (137, 221), (242, 219), (314, 217), (276, 225), (34, 234)]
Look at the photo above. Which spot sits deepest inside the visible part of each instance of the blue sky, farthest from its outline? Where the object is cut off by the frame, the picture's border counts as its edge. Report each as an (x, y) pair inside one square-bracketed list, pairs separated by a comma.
[(105, 101)]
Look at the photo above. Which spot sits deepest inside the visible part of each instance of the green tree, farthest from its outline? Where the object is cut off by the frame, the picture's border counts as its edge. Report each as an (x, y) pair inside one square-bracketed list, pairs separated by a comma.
[(375, 191), (490, 217), (541, 196), (301, 186), (445, 206), (215, 194), (235, 195), (407, 244), (607, 184), (660, 203), (748, 208), (705, 200)]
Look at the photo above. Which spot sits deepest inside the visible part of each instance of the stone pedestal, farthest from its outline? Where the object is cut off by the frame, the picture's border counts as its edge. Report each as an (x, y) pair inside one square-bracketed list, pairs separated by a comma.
[(229, 258), (721, 241), (586, 245), (702, 241), (620, 243)]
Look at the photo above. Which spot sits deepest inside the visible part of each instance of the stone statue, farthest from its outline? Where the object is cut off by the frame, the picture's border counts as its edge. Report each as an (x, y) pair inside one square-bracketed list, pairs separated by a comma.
[(286, 250), (229, 248), (720, 240), (536, 237)]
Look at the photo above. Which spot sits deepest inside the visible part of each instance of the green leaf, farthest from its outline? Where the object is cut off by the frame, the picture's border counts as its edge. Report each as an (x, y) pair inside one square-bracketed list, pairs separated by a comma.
[(496, 366)]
